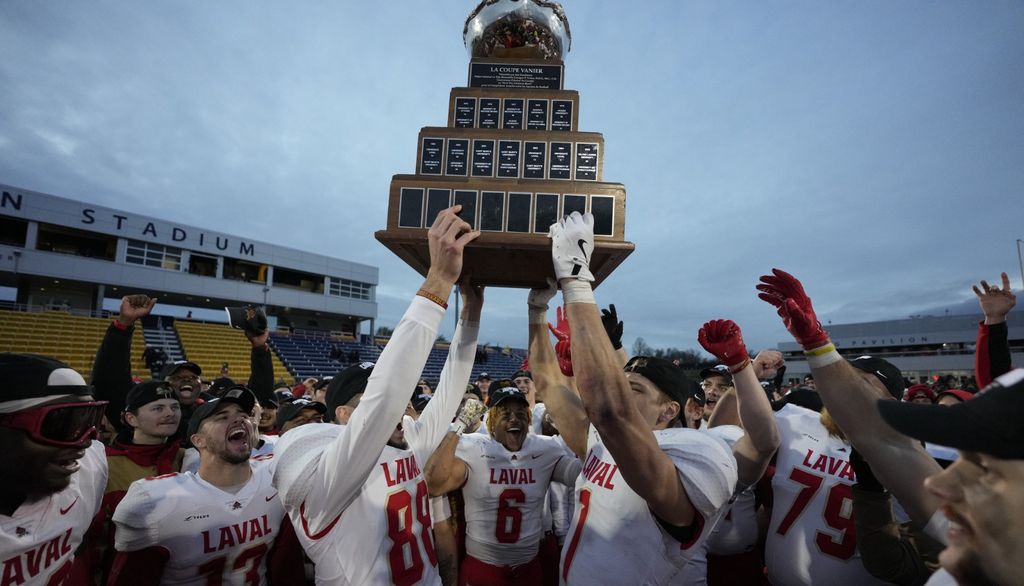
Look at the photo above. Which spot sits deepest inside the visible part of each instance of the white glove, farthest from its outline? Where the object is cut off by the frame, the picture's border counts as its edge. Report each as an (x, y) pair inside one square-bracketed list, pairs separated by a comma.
[(572, 244), (471, 413)]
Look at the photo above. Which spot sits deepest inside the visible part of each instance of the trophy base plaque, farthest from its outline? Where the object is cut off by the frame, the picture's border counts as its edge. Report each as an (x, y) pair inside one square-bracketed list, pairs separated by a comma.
[(504, 260)]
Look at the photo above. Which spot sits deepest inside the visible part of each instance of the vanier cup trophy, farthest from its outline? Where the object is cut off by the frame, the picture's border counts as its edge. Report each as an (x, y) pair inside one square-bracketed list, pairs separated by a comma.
[(511, 154)]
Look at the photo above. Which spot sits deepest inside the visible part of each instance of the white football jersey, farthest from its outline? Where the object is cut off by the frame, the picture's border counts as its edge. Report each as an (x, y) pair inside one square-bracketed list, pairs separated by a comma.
[(615, 539), (811, 537), (505, 494), (736, 532), (211, 535), (38, 542), (360, 508)]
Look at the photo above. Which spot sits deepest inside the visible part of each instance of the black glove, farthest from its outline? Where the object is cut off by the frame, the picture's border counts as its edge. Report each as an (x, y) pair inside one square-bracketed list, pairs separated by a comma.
[(612, 325), (865, 477)]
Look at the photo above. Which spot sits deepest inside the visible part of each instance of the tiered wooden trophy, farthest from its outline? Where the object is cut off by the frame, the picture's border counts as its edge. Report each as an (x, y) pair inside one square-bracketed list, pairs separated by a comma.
[(512, 155)]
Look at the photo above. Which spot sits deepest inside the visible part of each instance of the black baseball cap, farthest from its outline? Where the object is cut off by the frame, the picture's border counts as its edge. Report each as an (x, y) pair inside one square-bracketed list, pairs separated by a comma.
[(886, 371), (287, 411), (238, 395), (147, 392), (249, 318), (717, 370), (220, 384), (177, 365), (505, 392), (347, 384), (483, 376), (31, 376), (522, 372), (419, 401), (322, 382), (801, 397), (669, 378), (990, 422)]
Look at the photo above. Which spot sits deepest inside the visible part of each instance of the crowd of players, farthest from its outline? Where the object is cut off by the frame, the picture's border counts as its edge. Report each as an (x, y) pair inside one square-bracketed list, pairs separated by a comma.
[(589, 467)]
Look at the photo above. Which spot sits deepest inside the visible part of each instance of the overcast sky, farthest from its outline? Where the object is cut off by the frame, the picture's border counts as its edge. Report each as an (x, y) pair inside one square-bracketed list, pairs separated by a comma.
[(875, 149)]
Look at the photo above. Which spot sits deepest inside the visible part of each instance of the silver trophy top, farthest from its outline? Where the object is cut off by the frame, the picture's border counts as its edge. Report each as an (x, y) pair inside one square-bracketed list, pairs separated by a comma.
[(517, 29)]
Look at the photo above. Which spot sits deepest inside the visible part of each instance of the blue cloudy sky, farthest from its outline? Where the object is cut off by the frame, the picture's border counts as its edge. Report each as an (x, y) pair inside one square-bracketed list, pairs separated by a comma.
[(874, 148)]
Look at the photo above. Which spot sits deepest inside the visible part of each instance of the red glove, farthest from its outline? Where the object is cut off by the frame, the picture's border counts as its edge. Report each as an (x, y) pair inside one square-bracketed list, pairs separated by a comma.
[(785, 292), (722, 337), (562, 347)]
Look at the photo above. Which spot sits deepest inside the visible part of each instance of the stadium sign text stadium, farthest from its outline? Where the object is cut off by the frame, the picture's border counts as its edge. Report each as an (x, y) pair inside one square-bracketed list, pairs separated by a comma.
[(120, 223)]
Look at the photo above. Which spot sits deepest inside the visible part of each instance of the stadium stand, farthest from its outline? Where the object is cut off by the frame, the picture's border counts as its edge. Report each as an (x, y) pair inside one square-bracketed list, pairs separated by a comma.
[(210, 345), (73, 339), (311, 355)]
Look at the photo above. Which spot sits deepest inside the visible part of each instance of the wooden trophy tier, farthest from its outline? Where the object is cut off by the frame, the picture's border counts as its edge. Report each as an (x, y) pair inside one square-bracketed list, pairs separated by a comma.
[(513, 156), (513, 215)]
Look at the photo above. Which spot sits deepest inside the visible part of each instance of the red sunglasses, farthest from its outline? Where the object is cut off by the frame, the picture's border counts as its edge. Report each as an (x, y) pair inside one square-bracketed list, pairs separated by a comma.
[(60, 424)]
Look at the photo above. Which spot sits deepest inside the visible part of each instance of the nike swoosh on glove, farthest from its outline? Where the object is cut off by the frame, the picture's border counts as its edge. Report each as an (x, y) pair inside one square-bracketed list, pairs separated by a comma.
[(572, 245)]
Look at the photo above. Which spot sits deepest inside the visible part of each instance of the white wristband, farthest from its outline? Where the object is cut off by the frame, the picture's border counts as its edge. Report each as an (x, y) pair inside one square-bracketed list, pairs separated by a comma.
[(824, 359), (538, 316), (457, 427), (578, 292)]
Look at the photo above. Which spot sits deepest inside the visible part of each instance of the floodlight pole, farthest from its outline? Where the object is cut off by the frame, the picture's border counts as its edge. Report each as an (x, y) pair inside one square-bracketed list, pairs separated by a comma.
[(1020, 259)]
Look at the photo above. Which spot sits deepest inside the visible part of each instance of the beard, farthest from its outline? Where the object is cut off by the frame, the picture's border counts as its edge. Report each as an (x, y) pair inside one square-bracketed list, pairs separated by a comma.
[(235, 457)]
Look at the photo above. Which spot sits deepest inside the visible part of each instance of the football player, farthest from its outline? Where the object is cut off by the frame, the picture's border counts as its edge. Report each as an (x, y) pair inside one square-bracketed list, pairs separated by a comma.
[(355, 491)]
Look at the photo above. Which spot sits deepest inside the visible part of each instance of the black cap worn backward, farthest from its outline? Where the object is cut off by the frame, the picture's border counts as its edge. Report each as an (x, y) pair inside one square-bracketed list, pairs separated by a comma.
[(989, 423), (346, 384), (239, 395), (717, 370), (147, 392), (288, 411), (504, 393), (177, 365), (886, 371), (28, 378), (669, 378)]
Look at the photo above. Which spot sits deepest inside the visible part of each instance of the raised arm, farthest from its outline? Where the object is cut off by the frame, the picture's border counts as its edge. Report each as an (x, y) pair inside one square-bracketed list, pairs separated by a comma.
[(754, 450), (607, 395), (444, 471), (553, 389), (261, 379), (439, 412), (992, 352), (900, 463), (112, 369), (344, 465), (613, 326)]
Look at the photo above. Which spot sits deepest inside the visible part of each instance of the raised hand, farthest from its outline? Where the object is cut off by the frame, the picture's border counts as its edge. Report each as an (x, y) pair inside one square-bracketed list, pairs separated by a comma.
[(612, 325), (470, 414), (722, 337), (538, 298), (785, 292), (572, 245), (134, 307), (995, 302), (472, 299), (258, 340), (563, 345), (447, 239), (767, 364)]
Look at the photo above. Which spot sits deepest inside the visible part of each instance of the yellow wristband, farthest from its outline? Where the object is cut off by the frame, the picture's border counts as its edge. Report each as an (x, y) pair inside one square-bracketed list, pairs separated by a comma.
[(821, 350)]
